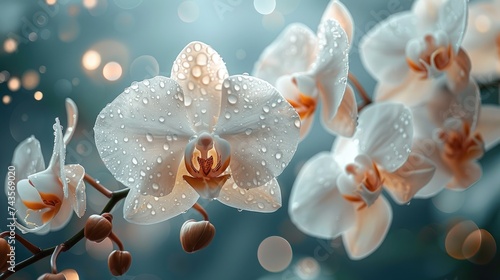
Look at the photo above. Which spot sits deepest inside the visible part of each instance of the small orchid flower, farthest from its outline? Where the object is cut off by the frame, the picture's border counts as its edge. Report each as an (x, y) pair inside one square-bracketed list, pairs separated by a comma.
[(198, 133), (409, 49), (46, 196), (453, 130), (305, 67), (339, 193), (482, 39)]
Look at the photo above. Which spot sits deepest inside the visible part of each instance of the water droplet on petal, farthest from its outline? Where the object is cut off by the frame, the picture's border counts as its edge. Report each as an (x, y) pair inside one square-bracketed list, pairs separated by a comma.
[(248, 131), (265, 109), (278, 155), (134, 160), (166, 146), (149, 137), (297, 123), (232, 99), (161, 119), (145, 100)]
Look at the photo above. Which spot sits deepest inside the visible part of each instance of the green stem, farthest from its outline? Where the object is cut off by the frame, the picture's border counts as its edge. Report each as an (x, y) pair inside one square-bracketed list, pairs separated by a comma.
[(116, 196)]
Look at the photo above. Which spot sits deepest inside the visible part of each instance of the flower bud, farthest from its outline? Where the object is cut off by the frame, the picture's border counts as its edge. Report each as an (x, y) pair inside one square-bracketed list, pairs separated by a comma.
[(4, 250), (119, 262), (50, 276), (98, 227), (196, 235)]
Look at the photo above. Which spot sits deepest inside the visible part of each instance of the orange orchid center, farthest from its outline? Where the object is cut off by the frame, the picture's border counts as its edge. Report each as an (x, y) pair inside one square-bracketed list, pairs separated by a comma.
[(461, 146), (435, 57), (50, 206), (304, 105), (369, 184), (206, 158)]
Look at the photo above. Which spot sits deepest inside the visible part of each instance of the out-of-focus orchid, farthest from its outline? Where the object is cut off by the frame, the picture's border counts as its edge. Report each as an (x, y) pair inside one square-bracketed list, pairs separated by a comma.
[(198, 133), (482, 39), (305, 67), (339, 193), (453, 130), (46, 196), (408, 49)]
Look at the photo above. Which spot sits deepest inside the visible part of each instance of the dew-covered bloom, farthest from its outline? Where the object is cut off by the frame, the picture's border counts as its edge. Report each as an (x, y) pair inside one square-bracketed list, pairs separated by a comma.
[(340, 193), (46, 197), (453, 130), (408, 49), (197, 133), (306, 67), (482, 39)]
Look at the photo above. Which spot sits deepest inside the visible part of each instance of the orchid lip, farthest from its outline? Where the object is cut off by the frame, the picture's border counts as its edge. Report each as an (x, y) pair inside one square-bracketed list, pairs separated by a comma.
[(206, 158)]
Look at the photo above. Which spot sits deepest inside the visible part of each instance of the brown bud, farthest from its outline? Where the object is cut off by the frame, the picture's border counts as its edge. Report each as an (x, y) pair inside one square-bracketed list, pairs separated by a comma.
[(98, 227), (196, 235), (4, 250), (50, 276), (119, 262)]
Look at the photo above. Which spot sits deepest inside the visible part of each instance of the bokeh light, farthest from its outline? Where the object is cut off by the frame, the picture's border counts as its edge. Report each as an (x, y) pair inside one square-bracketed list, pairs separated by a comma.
[(89, 4), (188, 11), (264, 7), (456, 236), (479, 247), (274, 254), (112, 71), (51, 2), (10, 45), (91, 60), (144, 67), (14, 84), (30, 79), (38, 95), (128, 4), (6, 99), (482, 23), (307, 268)]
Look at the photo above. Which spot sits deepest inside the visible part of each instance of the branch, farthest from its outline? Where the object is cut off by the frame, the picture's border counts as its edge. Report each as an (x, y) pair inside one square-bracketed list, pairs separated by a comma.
[(116, 196)]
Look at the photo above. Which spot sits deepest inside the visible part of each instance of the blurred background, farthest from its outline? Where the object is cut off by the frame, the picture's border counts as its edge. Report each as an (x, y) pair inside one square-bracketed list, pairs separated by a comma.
[(90, 50)]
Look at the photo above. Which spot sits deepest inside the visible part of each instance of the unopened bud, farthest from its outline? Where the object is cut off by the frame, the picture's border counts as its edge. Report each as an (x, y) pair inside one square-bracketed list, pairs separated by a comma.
[(119, 262), (196, 235), (4, 250), (67, 274), (98, 227)]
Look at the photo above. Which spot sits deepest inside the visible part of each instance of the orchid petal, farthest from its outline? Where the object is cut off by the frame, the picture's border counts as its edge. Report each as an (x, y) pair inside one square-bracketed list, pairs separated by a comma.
[(47, 182), (200, 71), (382, 49), (142, 134), (316, 206), (444, 105), (292, 51), (372, 224), (76, 187), (431, 150), (468, 174), (407, 180), (41, 230), (265, 199), (28, 158), (32, 209), (337, 11), (28, 193), (290, 91), (385, 132), (63, 216), (72, 115), (345, 121), (488, 125), (413, 90), (331, 66), (149, 209), (56, 164), (453, 19), (243, 97)]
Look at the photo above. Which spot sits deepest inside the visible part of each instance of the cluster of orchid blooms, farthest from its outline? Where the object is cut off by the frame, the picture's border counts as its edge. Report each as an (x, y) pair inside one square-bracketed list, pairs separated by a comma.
[(203, 133)]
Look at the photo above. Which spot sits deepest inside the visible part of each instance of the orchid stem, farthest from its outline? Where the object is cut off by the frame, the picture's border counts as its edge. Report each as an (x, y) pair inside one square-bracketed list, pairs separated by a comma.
[(102, 189), (116, 196), (53, 259), (201, 210), (361, 91), (28, 245), (117, 241)]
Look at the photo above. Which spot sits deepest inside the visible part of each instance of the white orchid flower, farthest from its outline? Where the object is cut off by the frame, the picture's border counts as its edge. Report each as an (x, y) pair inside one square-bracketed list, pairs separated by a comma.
[(46, 196), (453, 130), (198, 133), (339, 193), (482, 40), (408, 49), (305, 67)]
